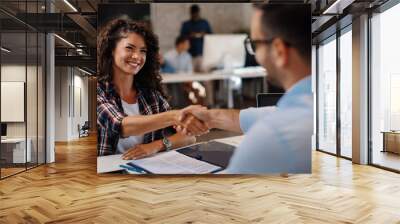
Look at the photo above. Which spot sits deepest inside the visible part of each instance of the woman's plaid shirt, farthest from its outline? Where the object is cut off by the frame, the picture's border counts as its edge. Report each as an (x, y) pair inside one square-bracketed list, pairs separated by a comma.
[(110, 114)]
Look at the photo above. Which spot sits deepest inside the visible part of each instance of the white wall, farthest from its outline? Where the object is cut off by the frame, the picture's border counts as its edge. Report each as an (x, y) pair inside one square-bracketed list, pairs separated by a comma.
[(70, 83)]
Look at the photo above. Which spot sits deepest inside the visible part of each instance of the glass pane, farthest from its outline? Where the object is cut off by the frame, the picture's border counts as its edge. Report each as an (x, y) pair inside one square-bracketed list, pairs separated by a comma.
[(386, 89), (13, 85), (31, 97), (41, 99), (327, 96), (346, 94)]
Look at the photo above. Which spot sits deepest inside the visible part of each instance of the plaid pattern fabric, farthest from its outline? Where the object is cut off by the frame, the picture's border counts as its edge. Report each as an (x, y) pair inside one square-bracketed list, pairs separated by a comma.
[(110, 114)]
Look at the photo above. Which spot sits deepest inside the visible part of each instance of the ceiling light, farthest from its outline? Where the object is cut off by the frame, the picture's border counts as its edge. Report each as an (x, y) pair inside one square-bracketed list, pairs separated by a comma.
[(84, 71), (64, 40), (70, 5), (337, 7), (5, 50)]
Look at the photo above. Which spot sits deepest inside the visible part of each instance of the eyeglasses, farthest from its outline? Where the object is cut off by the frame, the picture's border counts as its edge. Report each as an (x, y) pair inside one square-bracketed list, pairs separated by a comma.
[(251, 45)]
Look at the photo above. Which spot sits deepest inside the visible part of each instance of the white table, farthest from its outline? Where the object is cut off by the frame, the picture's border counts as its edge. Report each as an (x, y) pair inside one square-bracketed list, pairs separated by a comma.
[(231, 75), (112, 163), (19, 154)]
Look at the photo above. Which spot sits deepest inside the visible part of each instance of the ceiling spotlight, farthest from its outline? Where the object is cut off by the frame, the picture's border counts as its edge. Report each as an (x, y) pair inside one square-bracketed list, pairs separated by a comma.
[(337, 7), (65, 41), (70, 5), (84, 71), (5, 50)]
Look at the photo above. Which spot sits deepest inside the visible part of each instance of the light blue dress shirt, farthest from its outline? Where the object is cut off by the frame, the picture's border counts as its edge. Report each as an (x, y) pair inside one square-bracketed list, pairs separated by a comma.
[(181, 62), (279, 140)]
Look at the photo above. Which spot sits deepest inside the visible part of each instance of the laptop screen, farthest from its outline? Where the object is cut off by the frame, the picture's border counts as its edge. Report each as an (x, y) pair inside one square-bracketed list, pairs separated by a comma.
[(268, 99), (212, 152)]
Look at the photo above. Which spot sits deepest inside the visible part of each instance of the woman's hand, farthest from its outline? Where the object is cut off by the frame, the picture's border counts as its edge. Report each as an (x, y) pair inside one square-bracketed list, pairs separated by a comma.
[(193, 120), (140, 151)]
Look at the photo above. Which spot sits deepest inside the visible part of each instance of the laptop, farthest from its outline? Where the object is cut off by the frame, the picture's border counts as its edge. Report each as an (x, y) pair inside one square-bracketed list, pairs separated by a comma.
[(213, 152), (268, 99)]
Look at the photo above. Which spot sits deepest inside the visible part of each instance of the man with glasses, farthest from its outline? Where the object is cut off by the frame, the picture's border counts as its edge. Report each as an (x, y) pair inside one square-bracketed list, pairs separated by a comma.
[(277, 140)]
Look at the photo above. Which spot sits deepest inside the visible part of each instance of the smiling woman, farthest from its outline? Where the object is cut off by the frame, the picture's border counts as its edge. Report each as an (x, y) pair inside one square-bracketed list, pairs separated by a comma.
[(133, 115)]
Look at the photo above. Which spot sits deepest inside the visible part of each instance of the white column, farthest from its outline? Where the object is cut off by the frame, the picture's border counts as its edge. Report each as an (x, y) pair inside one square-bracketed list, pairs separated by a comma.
[(50, 93), (360, 90)]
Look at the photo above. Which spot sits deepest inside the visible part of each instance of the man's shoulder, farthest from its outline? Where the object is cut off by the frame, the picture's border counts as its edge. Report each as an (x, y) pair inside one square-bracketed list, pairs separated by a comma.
[(293, 119)]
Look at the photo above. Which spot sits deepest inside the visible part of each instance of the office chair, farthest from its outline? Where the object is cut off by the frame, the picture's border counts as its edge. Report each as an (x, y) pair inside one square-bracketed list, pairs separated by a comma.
[(84, 130)]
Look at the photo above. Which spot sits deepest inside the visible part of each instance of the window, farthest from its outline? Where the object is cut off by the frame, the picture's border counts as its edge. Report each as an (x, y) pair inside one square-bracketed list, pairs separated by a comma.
[(346, 92), (385, 88), (327, 96)]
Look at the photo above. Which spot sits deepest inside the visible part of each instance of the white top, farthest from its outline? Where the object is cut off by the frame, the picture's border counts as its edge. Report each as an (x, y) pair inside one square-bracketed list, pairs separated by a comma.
[(181, 62), (127, 143)]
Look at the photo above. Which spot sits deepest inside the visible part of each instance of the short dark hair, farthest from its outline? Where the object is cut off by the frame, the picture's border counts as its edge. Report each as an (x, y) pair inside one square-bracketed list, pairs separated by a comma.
[(194, 9), (291, 23), (181, 39)]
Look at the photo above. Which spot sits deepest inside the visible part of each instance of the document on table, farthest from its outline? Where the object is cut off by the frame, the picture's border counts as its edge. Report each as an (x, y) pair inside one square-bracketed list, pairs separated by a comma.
[(110, 163), (173, 162)]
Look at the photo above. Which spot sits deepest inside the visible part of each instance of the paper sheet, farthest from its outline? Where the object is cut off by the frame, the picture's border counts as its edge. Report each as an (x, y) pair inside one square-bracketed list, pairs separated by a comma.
[(173, 162), (110, 163)]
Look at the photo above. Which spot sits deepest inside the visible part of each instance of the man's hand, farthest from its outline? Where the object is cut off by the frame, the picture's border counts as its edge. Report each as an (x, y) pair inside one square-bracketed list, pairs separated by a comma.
[(140, 151), (195, 120)]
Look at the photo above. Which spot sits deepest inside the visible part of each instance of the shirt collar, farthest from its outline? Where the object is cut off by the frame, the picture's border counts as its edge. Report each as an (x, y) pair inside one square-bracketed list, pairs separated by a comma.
[(300, 88), (110, 89)]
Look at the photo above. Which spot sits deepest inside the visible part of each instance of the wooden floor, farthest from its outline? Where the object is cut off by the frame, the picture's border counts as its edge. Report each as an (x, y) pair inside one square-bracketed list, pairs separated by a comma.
[(386, 159), (70, 191)]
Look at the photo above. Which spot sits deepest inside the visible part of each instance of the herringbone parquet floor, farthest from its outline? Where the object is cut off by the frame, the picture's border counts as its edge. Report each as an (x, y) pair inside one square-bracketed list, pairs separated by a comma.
[(70, 191)]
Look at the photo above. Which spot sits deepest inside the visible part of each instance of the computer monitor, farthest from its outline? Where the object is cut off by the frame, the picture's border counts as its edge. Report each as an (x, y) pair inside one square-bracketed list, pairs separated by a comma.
[(3, 129), (268, 99), (223, 51)]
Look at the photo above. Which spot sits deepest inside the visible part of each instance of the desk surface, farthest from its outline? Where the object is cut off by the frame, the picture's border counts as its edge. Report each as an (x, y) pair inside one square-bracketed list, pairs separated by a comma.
[(390, 132), (13, 140), (112, 163), (249, 72)]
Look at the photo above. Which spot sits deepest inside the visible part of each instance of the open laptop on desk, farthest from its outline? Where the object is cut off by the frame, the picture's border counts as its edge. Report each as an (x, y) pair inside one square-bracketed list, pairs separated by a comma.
[(268, 99)]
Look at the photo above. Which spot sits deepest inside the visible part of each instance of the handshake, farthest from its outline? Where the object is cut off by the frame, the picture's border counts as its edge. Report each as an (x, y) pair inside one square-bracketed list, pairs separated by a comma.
[(193, 120)]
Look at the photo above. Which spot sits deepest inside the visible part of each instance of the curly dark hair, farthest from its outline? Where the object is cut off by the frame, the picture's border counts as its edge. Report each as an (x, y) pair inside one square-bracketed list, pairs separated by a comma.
[(149, 76)]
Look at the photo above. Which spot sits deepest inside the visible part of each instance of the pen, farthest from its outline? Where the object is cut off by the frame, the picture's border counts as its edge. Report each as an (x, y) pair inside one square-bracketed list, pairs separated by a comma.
[(131, 168)]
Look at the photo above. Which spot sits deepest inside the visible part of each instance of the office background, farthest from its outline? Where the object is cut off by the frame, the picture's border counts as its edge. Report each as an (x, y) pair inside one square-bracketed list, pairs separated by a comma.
[(22, 61), (360, 36), (354, 49)]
